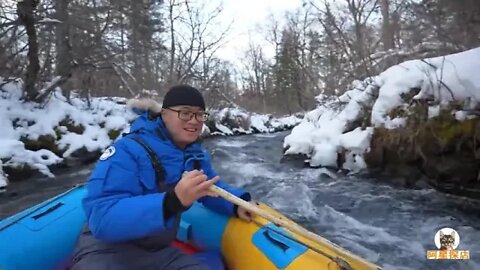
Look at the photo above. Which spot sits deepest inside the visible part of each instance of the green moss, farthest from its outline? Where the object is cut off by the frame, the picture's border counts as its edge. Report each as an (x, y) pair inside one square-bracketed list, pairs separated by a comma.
[(367, 118), (436, 136), (43, 142), (236, 121), (416, 114), (72, 126), (19, 173), (442, 148), (397, 112), (447, 131), (58, 132), (113, 133)]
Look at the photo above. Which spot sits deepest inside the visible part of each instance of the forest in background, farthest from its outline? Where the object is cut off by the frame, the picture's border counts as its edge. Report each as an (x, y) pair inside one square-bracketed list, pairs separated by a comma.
[(140, 47)]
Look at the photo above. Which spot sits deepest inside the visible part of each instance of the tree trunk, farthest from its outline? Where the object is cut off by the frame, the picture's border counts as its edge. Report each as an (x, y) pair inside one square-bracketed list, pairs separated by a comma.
[(62, 38), (171, 68), (137, 17), (25, 10), (387, 31)]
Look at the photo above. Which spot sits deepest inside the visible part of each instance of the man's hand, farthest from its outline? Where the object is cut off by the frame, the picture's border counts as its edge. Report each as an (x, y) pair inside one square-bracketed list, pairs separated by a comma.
[(244, 213), (193, 186)]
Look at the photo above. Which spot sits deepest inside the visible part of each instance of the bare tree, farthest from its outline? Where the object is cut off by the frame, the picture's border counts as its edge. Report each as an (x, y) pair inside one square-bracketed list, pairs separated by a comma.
[(122, 48), (173, 18), (194, 40), (256, 73), (64, 59), (193, 28), (387, 27), (25, 12), (10, 50), (452, 25)]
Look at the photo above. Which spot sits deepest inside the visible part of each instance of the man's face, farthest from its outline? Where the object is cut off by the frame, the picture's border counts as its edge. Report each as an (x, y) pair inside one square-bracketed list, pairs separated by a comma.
[(183, 129)]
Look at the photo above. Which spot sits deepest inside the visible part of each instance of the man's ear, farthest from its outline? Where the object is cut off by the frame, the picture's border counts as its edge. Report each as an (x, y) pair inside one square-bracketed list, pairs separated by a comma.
[(162, 114), (154, 115)]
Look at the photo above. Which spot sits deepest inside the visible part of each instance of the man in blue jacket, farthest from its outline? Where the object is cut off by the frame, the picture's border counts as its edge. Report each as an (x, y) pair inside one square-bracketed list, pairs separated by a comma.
[(144, 181)]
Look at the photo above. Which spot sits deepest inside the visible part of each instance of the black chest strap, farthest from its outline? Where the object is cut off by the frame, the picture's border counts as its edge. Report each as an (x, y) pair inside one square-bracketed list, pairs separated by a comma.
[(157, 165), (172, 205)]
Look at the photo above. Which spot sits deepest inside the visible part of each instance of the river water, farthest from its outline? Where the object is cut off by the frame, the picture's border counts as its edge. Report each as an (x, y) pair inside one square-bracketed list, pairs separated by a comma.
[(390, 226)]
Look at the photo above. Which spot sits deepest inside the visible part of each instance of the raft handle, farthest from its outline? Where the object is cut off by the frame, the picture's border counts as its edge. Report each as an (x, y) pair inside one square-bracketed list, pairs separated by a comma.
[(276, 242), (49, 210)]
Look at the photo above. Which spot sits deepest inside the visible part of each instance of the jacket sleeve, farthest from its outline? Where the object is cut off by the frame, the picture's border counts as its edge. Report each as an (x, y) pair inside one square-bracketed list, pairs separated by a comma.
[(219, 204), (115, 208)]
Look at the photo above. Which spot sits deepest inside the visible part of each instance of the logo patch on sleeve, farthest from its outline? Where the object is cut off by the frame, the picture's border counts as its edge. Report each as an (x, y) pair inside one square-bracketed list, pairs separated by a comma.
[(110, 151)]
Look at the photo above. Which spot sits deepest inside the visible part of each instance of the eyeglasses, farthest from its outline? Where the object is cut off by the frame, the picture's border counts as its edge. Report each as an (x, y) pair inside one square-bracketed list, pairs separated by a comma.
[(186, 115)]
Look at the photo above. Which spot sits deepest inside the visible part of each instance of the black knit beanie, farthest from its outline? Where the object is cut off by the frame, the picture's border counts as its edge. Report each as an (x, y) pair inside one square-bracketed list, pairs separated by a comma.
[(183, 95)]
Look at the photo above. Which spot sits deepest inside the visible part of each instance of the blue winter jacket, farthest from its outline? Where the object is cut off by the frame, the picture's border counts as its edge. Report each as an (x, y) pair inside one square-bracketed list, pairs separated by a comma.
[(123, 202)]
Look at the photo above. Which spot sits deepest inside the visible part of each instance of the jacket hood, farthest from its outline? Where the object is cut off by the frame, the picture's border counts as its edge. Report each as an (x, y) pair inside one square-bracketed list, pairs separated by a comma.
[(149, 118), (144, 105)]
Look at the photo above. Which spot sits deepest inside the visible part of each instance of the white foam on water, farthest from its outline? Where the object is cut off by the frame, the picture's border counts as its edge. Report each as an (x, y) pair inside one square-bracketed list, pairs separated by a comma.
[(237, 156), (387, 266), (82, 172), (357, 248), (231, 143), (292, 198), (347, 227), (247, 173), (250, 170), (266, 135), (324, 172)]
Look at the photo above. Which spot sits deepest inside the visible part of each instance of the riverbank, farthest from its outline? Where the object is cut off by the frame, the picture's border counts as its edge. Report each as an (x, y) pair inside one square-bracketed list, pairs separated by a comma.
[(415, 123), (40, 139)]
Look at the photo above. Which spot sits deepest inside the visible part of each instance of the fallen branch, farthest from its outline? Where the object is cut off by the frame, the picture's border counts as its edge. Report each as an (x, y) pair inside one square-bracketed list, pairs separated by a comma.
[(115, 68), (44, 92)]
